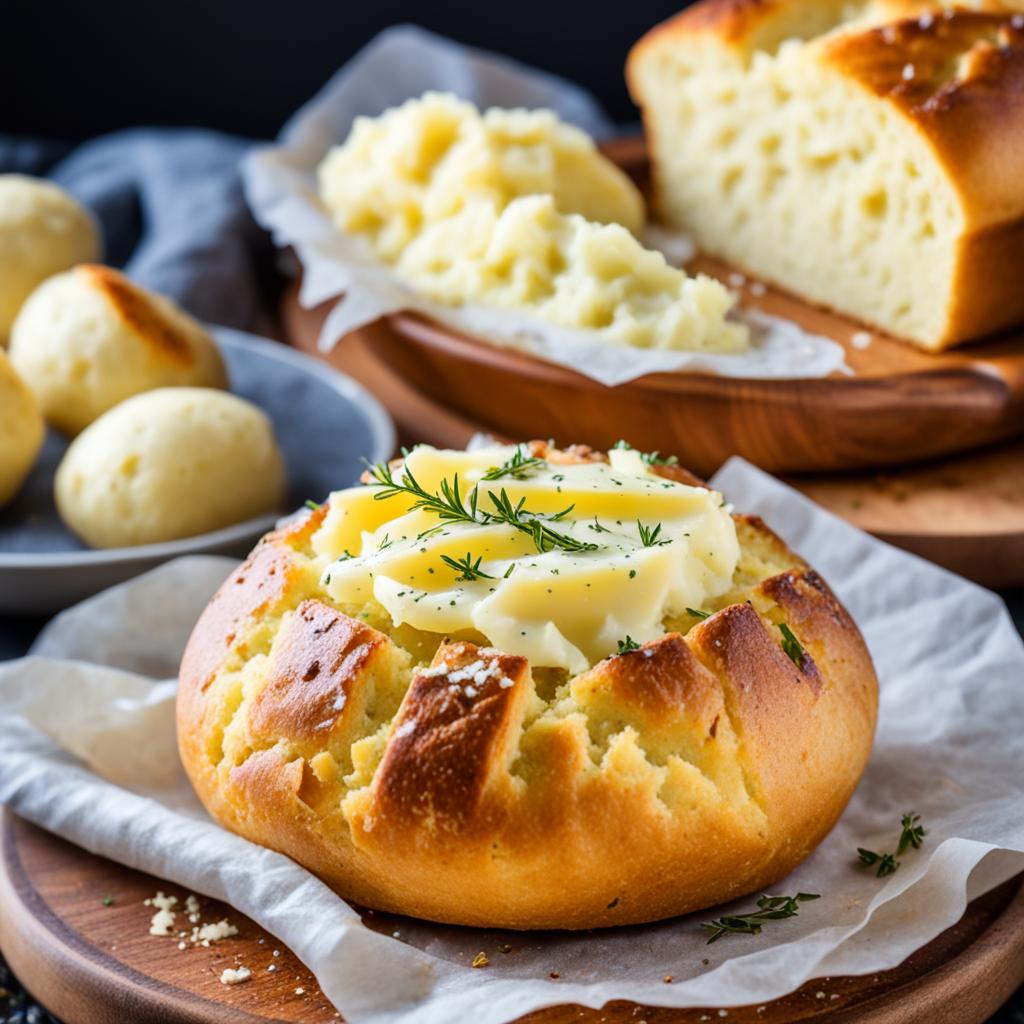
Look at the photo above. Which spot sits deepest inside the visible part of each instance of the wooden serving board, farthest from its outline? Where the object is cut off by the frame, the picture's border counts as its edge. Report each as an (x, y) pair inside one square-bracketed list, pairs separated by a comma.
[(900, 405), (963, 512), (91, 963)]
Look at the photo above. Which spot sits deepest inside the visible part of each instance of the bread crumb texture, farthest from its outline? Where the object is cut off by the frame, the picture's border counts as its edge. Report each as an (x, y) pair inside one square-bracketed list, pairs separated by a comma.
[(516, 209), (864, 154), (434, 773)]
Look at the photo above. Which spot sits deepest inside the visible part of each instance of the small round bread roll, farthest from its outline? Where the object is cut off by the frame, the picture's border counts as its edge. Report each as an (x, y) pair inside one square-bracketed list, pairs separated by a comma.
[(43, 231), (21, 431), (170, 463), (90, 338)]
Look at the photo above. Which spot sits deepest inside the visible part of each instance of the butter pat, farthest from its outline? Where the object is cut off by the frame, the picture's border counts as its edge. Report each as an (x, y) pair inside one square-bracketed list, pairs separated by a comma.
[(422, 162), (584, 556)]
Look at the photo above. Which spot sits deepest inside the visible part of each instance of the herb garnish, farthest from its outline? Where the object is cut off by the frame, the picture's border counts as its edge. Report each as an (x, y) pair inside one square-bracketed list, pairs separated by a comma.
[(698, 614), (649, 537), (449, 505), (771, 908), (521, 519), (311, 504), (791, 646), (518, 466), (468, 569), (626, 646), (911, 837)]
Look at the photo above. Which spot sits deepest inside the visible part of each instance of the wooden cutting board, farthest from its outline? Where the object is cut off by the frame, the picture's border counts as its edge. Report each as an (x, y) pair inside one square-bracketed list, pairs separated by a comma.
[(74, 929)]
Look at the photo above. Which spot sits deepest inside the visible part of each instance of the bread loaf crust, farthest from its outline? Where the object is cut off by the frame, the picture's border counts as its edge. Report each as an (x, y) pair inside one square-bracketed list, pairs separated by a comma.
[(698, 768), (963, 97)]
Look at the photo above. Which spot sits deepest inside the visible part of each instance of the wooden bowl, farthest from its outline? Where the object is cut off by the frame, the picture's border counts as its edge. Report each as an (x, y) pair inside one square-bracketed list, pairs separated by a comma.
[(901, 405)]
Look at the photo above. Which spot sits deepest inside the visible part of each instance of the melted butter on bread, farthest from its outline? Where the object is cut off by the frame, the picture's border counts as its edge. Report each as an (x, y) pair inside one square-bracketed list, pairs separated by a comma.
[(650, 549)]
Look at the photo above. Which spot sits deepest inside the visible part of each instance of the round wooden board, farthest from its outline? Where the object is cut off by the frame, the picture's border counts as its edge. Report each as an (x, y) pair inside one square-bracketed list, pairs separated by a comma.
[(963, 512), (90, 963)]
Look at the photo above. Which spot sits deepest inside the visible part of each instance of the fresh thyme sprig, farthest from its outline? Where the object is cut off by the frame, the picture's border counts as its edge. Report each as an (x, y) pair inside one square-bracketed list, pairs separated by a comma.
[(519, 466), (791, 646), (448, 505), (887, 862), (649, 537), (451, 506), (468, 569), (911, 837), (697, 613), (521, 519), (770, 908), (626, 646)]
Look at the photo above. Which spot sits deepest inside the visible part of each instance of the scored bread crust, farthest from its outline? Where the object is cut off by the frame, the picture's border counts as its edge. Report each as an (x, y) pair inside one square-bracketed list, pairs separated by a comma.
[(965, 101), (694, 770)]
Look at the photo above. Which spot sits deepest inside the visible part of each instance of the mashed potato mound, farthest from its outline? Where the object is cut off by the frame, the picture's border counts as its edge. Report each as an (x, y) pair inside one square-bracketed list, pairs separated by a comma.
[(514, 209), (425, 160), (571, 272)]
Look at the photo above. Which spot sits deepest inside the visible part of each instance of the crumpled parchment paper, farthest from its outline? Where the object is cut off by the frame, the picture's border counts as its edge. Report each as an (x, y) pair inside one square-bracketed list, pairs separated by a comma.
[(280, 185), (87, 750)]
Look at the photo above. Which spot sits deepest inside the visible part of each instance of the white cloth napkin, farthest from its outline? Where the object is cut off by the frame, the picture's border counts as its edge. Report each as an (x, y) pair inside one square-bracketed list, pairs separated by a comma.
[(87, 750), (280, 185)]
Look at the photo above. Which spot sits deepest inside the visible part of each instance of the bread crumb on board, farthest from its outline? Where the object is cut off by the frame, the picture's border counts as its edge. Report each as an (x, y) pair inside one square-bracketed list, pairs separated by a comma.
[(235, 976), (162, 922)]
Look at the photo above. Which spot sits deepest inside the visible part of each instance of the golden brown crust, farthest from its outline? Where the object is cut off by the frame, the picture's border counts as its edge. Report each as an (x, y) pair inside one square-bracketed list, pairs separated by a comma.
[(138, 311), (955, 76), (697, 768)]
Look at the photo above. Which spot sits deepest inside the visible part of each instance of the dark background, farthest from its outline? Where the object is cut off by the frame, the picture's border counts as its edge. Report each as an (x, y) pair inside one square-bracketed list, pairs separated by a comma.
[(71, 70)]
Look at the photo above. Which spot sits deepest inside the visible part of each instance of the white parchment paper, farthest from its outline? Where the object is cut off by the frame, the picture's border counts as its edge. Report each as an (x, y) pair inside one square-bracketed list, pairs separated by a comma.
[(280, 185), (87, 750)]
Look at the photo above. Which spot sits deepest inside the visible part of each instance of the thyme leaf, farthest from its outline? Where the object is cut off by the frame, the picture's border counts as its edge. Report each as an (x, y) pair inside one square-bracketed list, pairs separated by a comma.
[(467, 568), (519, 466), (791, 646), (770, 908)]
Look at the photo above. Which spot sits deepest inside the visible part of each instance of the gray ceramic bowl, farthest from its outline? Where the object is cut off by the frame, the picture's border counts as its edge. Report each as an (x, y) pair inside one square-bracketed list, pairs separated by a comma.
[(325, 423)]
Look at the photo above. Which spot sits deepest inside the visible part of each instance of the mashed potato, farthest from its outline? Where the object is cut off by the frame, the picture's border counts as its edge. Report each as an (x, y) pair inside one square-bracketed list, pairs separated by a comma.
[(169, 463), (571, 272), (424, 161), (514, 209)]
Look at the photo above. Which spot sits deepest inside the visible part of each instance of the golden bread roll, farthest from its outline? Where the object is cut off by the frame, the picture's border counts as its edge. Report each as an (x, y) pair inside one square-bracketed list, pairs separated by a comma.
[(169, 463), (622, 756), (22, 431), (866, 156), (90, 338), (43, 231)]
